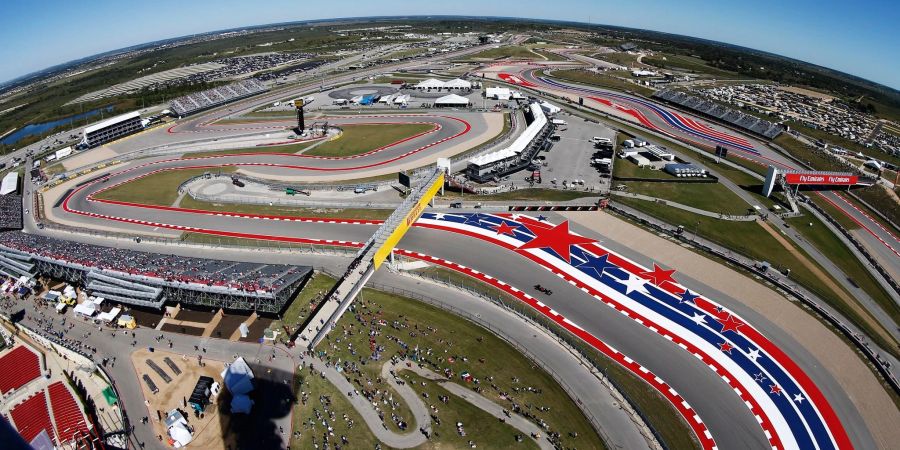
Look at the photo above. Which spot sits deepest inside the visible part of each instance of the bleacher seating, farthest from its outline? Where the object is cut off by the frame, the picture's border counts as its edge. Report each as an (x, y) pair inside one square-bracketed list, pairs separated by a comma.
[(66, 415), (18, 368), (32, 416), (737, 118), (198, 101)]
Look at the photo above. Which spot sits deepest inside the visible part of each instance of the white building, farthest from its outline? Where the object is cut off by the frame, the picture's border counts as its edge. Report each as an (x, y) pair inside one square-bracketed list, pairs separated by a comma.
[(10, 183), (452, 100)]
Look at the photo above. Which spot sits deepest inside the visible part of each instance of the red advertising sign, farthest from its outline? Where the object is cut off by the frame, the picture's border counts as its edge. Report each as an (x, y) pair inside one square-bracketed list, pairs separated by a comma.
[(820, 178)]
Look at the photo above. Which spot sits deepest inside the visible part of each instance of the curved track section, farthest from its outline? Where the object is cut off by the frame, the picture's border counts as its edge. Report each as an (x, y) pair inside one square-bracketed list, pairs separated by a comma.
[(694, 131)]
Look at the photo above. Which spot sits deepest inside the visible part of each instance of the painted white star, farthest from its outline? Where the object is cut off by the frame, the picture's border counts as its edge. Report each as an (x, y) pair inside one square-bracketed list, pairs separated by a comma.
[(439, 216), (799, 398), (753, 354), (634, 284), (699, 319)]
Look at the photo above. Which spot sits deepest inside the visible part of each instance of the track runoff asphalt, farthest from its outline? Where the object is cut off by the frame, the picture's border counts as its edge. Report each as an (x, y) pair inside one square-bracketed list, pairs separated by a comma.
[(685, 127), (726, 415)]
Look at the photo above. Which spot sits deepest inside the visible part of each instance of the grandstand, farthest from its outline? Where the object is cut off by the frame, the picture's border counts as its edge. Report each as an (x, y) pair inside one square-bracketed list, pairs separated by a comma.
[(112, 129), (67, 416), (32, 416), (150, 279), (210, 98), (734, 117), (18, 367)]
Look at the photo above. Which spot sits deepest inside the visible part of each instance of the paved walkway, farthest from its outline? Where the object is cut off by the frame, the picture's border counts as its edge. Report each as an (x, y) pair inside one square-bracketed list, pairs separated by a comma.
[(518, 422)]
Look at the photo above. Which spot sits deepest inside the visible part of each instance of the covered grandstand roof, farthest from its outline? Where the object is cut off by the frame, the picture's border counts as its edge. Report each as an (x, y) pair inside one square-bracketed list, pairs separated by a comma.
[(520, 144), (10, 183), (111, 121)]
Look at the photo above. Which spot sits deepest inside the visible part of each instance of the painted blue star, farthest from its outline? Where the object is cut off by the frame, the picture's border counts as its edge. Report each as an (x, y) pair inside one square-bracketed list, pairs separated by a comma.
[(759, 377), (598, 264), (688, 296), (541, 218), (473, 219)]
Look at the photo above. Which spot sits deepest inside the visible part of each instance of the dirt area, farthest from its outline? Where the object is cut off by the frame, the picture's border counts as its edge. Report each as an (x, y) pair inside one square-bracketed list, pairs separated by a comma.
[(208, 429), (195, 316), (145, 318), (227, 325), (256, 329), (183, 329), (860, 384), (806, 92)]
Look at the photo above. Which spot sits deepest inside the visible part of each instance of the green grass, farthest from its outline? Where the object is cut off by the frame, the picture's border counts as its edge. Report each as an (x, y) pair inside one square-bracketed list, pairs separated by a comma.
[(620, 58), (160, 189), (476, 350), (358, 139), (835, 213), (481, 428), (659, 413), (601, 80), (294, 211), (881, 199), (838, 253), (506, 51), (299, 307), (706, 196), (688, 64), (536, 194), (816, 158), (623, 168), (358, 436)]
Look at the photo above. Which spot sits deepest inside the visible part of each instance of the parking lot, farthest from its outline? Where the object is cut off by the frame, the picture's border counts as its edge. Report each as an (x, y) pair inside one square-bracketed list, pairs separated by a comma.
[(569, 160)]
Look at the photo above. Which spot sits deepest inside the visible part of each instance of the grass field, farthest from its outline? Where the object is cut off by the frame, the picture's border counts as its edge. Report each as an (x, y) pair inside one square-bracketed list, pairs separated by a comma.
[(688, 64), (358, 139), (707, 196), (601, 80), (289, 148), (623, 168), (505, 52), (838, 253), (159, 189), (660, 414), (299, 307), (426, 332)]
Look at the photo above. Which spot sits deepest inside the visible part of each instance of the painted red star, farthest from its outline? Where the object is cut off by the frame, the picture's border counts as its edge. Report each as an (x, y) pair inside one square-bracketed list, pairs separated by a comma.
[(730, 323), (556, 238), (726, 347), (658, 275), (505, 228), (774, 389)]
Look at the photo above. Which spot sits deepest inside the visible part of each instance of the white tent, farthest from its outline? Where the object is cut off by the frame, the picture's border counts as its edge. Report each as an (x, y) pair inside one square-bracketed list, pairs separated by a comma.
[(430, 83), (110, 316), (452, 100), (177, 429), (86, 308), (60, 154), (401, 99), (457, 83), (498, 93), (238, 377), (241, 404), (550, 109), (10, 183)]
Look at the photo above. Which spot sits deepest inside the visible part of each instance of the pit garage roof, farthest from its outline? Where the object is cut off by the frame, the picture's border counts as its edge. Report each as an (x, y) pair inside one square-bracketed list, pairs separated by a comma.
[(111, 121)]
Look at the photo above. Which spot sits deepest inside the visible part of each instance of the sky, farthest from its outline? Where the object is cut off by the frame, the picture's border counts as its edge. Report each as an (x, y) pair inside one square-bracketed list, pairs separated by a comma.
[(861, 37)]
